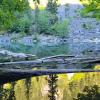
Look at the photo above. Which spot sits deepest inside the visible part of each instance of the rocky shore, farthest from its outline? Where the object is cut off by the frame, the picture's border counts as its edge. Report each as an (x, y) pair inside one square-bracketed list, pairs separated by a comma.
[(83, 36)]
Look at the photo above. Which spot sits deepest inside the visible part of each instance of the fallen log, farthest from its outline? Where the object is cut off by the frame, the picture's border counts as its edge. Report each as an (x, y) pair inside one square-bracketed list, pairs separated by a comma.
[(62, 56), (10, 75), (50, 61)]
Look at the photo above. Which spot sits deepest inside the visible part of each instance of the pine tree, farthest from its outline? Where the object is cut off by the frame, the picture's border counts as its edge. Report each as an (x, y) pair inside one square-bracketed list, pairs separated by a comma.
[(52, 7)]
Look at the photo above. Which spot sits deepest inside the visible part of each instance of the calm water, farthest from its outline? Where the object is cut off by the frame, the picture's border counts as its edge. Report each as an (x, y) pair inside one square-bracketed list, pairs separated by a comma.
[(38, 50)]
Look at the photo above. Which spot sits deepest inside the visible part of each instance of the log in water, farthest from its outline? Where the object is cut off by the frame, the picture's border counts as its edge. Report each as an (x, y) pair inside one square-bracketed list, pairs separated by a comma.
[(12, 71), (51, 61), (10, 75)]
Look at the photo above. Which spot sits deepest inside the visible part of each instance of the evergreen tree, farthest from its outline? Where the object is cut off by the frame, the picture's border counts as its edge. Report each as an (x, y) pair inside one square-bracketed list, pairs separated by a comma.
[(52, 7), (36, 18)]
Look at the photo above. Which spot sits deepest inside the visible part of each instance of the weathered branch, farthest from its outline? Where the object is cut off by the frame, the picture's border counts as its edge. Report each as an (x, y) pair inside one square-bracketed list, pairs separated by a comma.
[(51, 61), (9, 75)]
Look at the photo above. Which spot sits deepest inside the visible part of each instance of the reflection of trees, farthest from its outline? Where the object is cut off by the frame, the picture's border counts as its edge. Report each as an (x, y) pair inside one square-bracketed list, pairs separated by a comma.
[(12, 92), (59, 88), (1, 91), (8, 94), (89, 93), (52, 82), (28, 84)]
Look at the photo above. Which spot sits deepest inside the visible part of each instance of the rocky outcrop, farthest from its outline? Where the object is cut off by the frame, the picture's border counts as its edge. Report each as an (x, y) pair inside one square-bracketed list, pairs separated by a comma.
[(84, 33), (8, 56)]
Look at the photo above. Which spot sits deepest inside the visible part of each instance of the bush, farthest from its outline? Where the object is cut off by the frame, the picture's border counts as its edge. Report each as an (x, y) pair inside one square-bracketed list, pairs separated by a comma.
[(8, 10), (59, 28), (6, 20), (92, 8), (43, 22), (22, 24)]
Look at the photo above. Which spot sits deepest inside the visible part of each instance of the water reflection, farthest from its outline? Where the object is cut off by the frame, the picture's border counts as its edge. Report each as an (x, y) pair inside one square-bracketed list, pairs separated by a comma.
[(38, 49), (53, 87), (52, 83)]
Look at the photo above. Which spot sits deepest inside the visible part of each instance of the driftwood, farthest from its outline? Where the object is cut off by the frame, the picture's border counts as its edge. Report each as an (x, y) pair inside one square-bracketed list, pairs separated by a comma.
[(10, 75)]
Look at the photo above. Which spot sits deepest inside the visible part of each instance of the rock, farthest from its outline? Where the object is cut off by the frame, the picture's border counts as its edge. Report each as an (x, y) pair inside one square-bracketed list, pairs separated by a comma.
[(6, 56)]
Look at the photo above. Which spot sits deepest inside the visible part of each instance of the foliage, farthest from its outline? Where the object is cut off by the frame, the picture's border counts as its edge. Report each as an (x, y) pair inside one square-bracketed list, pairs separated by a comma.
[(8, 10), (22, 24), (60, 28), (44, 22), (89, 93), (37, 1), (52, 6), (36, 21), (92, 7), (45, 26), (15, 17)]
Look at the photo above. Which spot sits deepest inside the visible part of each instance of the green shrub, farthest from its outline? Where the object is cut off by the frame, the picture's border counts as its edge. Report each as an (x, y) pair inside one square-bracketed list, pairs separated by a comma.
[(52, 6), (22, 24), (92, 8), (6, 20), (43, 22), (60, 28), (8, 10)]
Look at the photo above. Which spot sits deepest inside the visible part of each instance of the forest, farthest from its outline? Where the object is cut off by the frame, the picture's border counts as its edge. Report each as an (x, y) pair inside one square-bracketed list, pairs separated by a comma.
[(16, 16)]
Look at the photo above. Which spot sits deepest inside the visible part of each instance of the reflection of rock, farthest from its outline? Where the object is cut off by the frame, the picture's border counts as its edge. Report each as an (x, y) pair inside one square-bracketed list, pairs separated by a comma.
[(42, 39), (5, 40), (48, 40), (28, 40)]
